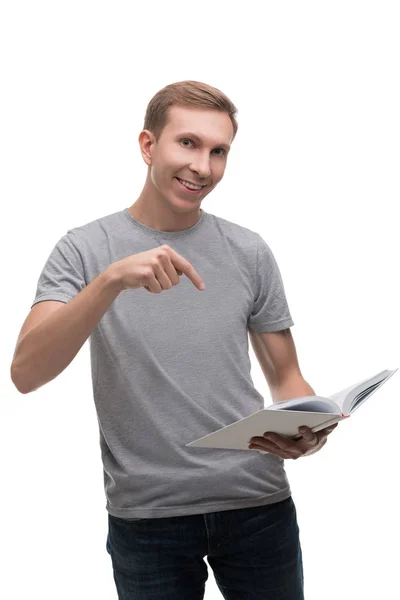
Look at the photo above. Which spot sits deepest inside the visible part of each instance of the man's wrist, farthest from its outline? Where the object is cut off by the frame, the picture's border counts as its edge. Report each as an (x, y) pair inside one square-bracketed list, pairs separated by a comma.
[(112, 277)]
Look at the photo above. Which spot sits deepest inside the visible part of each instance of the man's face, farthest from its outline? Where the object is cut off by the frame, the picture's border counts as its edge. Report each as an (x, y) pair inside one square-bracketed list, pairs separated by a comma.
[(180, 155)]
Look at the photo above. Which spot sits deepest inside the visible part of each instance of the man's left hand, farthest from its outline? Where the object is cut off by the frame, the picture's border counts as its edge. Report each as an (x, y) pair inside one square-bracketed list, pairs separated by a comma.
[(308, 444)]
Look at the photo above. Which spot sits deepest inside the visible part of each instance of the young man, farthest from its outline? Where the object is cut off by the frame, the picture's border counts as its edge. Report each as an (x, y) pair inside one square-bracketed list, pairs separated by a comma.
[(170, 364)]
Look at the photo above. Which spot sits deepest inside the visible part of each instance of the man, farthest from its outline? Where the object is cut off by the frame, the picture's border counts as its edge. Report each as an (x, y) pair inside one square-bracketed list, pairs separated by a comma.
[(170, 364)]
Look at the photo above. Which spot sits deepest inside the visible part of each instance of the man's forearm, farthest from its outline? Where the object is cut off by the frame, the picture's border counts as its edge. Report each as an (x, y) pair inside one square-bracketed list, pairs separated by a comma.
[(295, 387)]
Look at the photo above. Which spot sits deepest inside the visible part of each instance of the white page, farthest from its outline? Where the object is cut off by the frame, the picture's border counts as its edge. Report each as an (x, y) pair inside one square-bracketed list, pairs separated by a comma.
[(237, 435)]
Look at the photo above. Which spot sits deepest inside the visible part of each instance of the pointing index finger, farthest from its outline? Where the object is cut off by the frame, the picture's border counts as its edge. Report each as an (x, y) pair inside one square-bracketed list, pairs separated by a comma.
[(184, 265)]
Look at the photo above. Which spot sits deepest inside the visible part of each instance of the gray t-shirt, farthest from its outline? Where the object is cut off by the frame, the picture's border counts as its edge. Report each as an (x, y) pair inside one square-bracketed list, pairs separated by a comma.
[(172, 367)]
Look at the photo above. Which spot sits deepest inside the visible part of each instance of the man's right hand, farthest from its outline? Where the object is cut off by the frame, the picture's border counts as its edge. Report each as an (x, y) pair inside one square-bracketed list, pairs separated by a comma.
[(156, 270)]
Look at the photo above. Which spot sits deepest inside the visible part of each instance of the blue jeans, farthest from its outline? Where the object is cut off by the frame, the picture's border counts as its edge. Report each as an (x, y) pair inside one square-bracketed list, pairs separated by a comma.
[(255, 554)]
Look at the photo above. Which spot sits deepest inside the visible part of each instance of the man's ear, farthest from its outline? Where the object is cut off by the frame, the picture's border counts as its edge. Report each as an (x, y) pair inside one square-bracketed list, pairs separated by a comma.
[(146, 142)]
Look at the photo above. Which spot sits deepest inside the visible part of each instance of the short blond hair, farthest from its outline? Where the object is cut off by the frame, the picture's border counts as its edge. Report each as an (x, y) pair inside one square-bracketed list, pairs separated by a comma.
[(186, 94)]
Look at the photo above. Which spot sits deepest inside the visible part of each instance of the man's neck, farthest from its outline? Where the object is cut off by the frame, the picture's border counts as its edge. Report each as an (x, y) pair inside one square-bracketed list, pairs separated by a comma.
[(159, 219)]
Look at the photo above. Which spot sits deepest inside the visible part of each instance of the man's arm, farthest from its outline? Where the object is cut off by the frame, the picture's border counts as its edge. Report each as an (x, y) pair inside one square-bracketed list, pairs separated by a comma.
[(277, 356), (48, 347), (276, 353)]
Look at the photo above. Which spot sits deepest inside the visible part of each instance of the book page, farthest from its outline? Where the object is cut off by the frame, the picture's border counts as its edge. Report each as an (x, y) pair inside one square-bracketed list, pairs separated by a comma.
[(308, 404), (236, 436), (348, 398), (363, 391)]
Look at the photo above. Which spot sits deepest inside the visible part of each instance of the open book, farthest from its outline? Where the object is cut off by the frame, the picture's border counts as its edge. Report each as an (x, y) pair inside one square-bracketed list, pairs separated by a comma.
[(284, 418)]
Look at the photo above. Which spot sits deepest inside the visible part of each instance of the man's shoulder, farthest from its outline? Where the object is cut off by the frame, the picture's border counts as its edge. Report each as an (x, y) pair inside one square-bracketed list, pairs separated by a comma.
[(237, 231), (91, 228)]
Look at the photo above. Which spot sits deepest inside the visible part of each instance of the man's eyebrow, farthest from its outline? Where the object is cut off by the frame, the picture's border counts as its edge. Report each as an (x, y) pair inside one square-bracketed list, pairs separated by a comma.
[(198, 138)]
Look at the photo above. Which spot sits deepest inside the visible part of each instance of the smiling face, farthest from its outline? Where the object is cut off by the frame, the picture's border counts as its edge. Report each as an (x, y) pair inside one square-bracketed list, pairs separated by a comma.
[(193, 147)]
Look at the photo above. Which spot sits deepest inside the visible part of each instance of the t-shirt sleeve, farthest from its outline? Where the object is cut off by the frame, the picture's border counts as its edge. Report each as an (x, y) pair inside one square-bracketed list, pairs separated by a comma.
[(63, 276), (270, 308)]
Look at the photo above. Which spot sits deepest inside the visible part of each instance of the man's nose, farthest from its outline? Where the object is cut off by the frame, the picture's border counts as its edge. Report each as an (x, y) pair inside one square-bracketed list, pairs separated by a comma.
[(202, 166)]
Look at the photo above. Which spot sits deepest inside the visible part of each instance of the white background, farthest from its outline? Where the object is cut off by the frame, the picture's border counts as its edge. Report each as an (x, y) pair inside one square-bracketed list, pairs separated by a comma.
[(314, 169)]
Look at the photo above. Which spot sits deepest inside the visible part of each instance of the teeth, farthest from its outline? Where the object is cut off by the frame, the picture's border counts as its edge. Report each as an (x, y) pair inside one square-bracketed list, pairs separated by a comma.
[(190, 185)]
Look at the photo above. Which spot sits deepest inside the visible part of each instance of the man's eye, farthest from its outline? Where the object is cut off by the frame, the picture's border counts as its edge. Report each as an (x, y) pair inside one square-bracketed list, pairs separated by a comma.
[(221, 153)]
